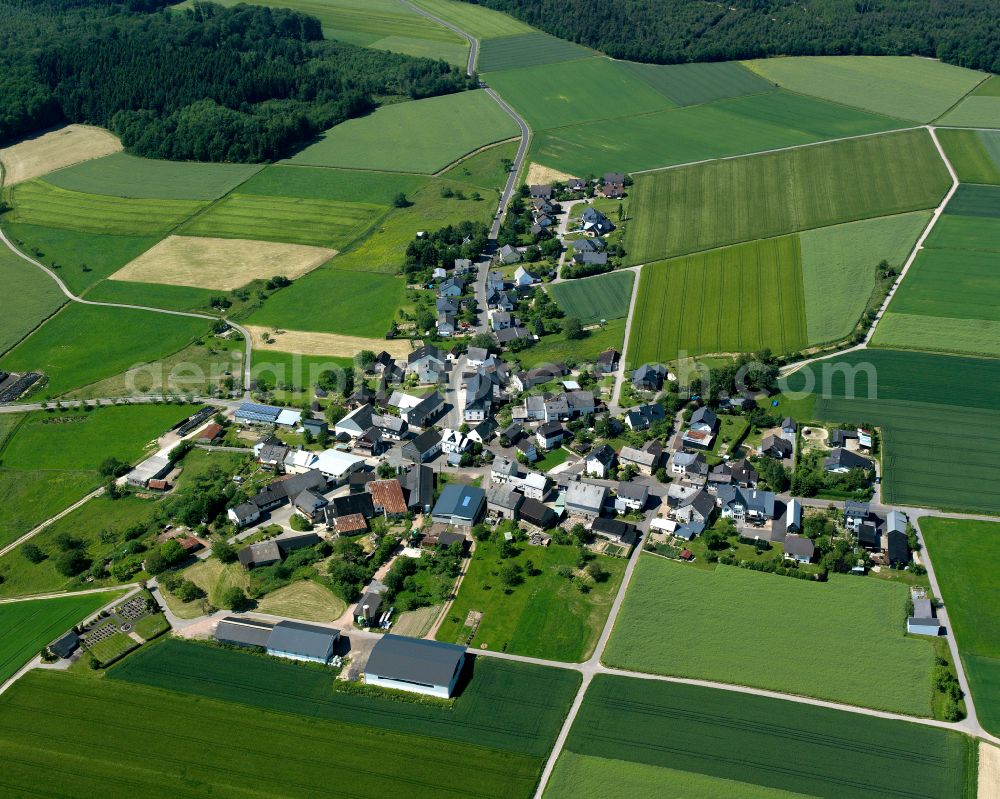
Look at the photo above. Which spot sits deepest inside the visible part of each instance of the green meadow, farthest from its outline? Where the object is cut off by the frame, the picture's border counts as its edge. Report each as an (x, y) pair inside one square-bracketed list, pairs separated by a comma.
[(527, 50), (481, 22), (694, 84), (592, 299), (338, 185), (37, 298)]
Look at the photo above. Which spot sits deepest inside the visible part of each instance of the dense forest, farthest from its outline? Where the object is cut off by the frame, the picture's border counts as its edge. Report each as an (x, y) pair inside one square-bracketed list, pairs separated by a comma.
[(209, 83), (963, 32)]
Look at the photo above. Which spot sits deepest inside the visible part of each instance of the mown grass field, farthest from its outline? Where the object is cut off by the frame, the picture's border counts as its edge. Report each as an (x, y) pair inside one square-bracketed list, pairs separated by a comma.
[(918, 89), (527, 50), (29, 497), (722, 635), (737, 299), (596, 298), (124, 175), (975, 154), (303, 599), (417, 136), (296, 220), (769, 742), (41, 203), (83, 344), (55, 735), (721, 202), (547, 616), (37, 297), (694, 84), (966, 562), (506, 706), (30, 625), (713, 130), (556, 348), (839, 266), (338, 185)]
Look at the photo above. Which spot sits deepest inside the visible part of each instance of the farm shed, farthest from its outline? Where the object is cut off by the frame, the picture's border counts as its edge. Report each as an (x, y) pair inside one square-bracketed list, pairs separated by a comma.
[(412, 664), (296, 640)]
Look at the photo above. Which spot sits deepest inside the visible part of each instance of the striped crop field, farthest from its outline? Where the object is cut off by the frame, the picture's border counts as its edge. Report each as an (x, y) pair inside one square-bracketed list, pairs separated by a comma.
[(593, 299), (975, 154), (527, 50), (736, 299)]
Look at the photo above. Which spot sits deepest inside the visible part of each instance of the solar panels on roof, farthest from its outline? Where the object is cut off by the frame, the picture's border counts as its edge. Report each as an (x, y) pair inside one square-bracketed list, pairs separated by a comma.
[(257, 413)]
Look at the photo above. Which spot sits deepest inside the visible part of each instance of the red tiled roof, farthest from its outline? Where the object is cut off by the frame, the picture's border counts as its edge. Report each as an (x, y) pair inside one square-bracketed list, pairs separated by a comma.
[(351, 523), (388, 494), (210, 432)]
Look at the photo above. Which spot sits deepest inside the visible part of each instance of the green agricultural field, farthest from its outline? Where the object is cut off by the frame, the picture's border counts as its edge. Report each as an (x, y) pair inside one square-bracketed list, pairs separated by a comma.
[(339, 185), (953, 232), (503, 705), (682, 210), (37, 295), (975, 111), (938, 334), (810, 651), (769, 743), (593, 299), (917, 89), (29, 497), (80, 259), (714, 130), (481, 22), (556, 348), (298, 371), (527, 50), (975, 154), (124, 175), (55, 738), (418, 136), (487, 169), (295, 220), (155, 295), (694, 84), (966, 562), (738, 299), (546, 616), (567, 93), (839, 266), (39, 203), (32, 624), (961, 284), (971, 200)]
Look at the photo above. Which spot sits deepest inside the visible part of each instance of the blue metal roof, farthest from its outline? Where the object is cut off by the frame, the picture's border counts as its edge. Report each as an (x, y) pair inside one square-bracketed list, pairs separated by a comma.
[(257, 413)]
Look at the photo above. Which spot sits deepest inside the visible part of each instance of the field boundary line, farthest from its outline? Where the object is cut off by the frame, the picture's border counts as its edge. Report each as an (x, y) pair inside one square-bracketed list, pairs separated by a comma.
[(50, 521), (960, 100), (622, 368), (465, 157), (472, 40)]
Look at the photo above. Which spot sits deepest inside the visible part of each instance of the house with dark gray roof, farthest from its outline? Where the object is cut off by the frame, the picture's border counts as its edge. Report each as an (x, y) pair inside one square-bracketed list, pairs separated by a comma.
[(799, 548), (649, 377), (296, 640), (699, 506), (614, 530), (460, 505), (773, 446), (264, 553), (415, 664), (240, 631), (599, 461), (843, 460), (65, 645), (422, 448), (537, 514)]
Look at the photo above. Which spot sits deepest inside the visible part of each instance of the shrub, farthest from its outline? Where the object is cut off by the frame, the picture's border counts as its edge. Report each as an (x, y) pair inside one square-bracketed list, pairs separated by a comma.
[(72, 562), (32, 553)]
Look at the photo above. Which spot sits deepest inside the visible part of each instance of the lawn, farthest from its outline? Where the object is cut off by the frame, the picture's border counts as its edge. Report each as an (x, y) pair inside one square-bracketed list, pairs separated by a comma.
[(738, 299), (592, 299), (918, 89), (682, 210), (337, 185), (527, 50), (41, 203), (713, 130), (769, 743), (296, 220), (481, 22), (547, 616), (113, 647), (839, 266), (507, 706), (975, 154), (83, 344), (417, 136), (551, 459), (124, 175), (32, 624), (148, 627), (215, 577), (811, 649), (305, 600), (37, 298), (55, 738), (965, 560), (556, 348)]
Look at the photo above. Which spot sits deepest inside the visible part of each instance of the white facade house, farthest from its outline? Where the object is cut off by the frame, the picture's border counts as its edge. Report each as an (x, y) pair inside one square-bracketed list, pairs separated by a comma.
[(333, 464)]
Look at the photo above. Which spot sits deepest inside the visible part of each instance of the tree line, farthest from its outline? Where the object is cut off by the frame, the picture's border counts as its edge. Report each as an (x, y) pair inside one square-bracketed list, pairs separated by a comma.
[(209, 83), (962, 32)]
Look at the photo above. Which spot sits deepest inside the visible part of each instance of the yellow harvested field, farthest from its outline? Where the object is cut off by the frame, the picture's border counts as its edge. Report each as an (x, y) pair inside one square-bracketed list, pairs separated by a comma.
[(304, 342), (220, 264), (40, 155), (543, 174), (989, 771)]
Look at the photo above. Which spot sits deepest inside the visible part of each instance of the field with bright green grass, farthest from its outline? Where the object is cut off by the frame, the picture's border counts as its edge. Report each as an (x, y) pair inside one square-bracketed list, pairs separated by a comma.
[(960, 284), (737, 299), (938, 334), (83, 344), (80, 259), (556, 348), (354, 304), (567, 93), (487, 169), (37, 298), (972, 200), (975, 111), (417, 136), (839, 266), (340, 185), (714, 130), (596, 298), (682, 210), (769, 743), (154, 295), (124, 175), (29, 497), (918, 89), (547, 616), (811, 651), (975, 154), (39, 203), (974, 233), (693, 84), (299, 371), (295, 220), (30, 625), (483, 23), (527, 50), (966, 562)]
